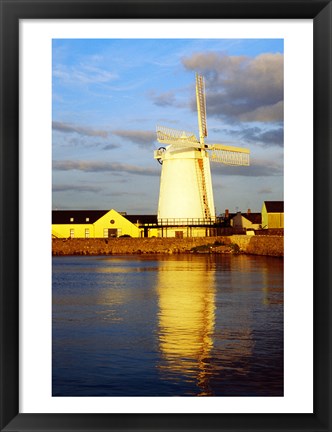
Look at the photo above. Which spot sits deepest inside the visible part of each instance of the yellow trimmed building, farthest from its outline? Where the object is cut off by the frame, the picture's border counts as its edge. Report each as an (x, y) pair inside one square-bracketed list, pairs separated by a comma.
[(273, 214), (101, 224), (246, 221)]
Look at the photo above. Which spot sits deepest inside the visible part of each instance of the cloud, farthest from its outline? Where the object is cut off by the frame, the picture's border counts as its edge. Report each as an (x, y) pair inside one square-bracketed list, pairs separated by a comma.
[(265, 191), (99, 166), (139, 137), (78, 188), (241, 88), (81, 130), (82, 142), (269, 137), (268, 113), (111, 146), (163, 99), (125, 193), (82, 74)]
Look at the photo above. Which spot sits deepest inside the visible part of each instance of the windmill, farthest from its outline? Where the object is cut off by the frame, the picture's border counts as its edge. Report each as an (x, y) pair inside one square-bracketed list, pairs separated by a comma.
[(185, 184)]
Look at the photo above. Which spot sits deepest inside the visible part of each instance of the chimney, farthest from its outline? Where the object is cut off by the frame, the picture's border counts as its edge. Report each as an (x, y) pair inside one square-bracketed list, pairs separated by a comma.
[(226, 213), (249, 211)]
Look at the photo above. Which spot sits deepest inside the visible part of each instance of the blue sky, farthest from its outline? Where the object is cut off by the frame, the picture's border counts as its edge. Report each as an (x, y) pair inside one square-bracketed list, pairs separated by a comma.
[(109, 95)]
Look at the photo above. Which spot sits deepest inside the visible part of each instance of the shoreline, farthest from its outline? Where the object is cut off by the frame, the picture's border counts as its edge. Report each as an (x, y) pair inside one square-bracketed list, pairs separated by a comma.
[(235, 244)]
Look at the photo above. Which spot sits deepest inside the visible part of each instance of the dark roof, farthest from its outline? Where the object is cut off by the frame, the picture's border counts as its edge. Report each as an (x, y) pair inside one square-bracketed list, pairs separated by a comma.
[(230, 215), (142, 219), (255, 218), (274, 206), (80, 217)]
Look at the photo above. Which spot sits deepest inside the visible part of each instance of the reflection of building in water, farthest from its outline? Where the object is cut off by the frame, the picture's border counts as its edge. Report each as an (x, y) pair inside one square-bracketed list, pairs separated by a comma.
[(236, 316), (186, 293), (273, 288), (266, 273), (245, 325)]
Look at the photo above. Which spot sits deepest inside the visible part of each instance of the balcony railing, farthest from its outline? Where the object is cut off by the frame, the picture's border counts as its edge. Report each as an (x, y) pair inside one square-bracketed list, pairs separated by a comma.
[(165, 222)]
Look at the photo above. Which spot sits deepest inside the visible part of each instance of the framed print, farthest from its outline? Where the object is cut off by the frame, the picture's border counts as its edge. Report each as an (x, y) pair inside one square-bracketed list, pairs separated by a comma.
[(137, 359)]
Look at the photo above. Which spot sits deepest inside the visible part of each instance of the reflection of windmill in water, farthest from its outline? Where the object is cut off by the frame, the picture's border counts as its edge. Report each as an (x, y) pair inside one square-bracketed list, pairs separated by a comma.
[(185, 185), (186, 316)]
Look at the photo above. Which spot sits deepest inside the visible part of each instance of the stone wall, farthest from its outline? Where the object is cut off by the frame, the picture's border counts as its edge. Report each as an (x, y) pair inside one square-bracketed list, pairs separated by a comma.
[(270, 232), (262, 245)]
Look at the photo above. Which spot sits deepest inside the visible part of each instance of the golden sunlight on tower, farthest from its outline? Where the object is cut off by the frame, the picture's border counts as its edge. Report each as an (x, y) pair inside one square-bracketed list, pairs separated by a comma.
[(185, 185)]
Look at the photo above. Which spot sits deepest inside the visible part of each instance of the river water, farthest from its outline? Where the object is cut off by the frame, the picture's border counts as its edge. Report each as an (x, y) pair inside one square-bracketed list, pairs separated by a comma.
[(177, 325)]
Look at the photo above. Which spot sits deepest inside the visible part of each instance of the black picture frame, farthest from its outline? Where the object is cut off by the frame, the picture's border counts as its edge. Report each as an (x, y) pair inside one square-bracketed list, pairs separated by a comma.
[(11, 13)]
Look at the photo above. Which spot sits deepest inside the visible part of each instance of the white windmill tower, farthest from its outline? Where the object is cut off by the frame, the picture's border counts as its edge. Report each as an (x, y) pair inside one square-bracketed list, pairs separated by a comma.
[(185, 185)]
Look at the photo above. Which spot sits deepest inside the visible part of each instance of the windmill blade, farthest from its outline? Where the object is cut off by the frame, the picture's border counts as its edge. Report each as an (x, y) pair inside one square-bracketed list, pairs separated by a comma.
[(201, 107), (229, 155), (227, 148), (176, 137)]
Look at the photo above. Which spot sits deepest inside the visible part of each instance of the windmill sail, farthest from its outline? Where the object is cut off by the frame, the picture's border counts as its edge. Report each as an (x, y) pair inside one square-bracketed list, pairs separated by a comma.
[(229, 155), (201, 107), (167, 135)]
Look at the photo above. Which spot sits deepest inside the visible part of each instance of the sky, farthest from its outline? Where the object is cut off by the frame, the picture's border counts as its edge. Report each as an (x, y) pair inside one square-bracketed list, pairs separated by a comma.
[(108, 96)]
